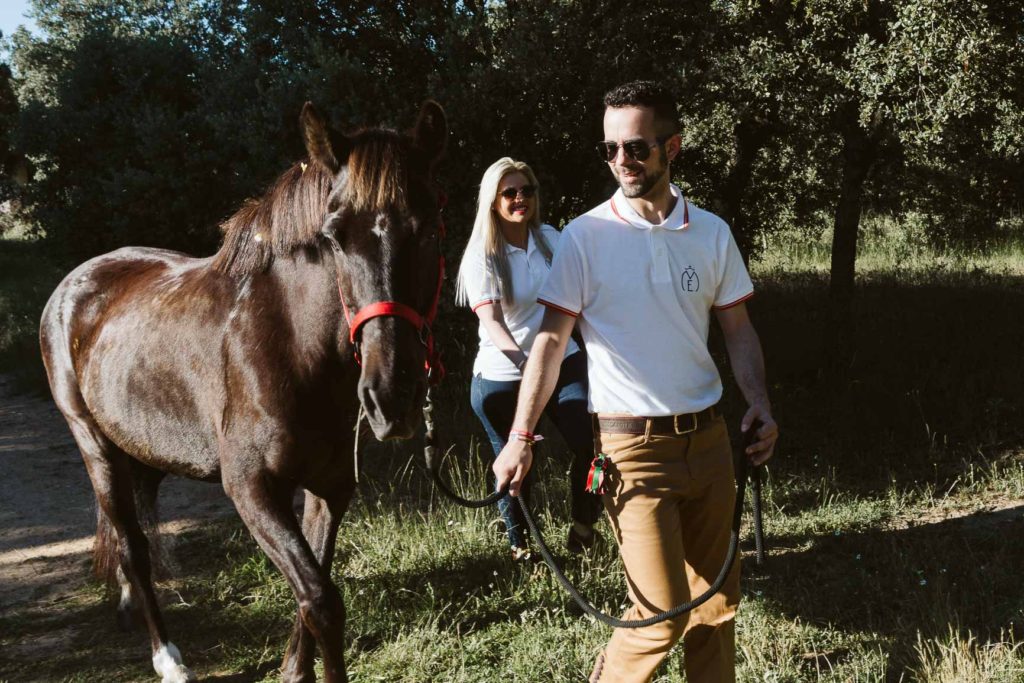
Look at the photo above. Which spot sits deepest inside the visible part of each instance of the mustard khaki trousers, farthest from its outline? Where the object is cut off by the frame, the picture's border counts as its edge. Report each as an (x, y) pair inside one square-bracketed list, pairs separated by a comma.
[(670, 503)]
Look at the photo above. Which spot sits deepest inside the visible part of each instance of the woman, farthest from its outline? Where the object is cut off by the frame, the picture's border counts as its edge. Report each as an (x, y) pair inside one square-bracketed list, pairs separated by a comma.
[(503, 267)]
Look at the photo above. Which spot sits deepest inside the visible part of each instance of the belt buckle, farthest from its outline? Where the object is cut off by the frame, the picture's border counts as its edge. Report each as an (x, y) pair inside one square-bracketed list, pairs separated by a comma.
[(675, 425)]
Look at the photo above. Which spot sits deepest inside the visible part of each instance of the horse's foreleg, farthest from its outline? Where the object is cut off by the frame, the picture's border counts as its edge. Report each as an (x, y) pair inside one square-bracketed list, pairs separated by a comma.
[(264, 506), (320, 521)]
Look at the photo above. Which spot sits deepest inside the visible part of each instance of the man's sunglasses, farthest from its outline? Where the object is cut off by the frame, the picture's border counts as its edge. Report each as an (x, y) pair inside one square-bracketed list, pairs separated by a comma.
[(638, 150), (511, 193)]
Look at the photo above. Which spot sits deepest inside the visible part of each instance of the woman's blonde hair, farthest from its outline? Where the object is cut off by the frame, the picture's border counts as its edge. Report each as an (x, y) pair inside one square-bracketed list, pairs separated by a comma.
[(487, 240)]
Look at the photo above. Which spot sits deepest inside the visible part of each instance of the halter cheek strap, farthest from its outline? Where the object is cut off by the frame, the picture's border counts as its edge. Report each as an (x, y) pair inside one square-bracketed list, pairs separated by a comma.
[(396, 309)]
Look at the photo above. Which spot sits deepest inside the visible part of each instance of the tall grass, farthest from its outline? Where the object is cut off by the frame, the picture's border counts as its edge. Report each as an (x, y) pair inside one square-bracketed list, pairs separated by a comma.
[(961, 658)]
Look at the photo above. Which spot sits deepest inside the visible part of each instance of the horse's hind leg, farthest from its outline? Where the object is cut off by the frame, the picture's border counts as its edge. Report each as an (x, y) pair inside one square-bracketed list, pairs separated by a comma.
[(320, 520), (110, 471), (146, 483)]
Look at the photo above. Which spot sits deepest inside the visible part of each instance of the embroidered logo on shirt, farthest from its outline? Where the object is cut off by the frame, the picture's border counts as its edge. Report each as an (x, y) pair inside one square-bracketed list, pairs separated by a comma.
[(689, 279)]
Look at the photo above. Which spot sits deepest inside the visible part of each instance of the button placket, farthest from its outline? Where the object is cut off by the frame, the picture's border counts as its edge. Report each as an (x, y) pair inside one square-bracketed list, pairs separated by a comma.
[(659, 256)]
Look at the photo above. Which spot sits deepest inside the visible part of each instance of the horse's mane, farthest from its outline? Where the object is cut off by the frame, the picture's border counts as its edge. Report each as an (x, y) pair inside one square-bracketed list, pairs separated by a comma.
[(376, 170), (291, 212)]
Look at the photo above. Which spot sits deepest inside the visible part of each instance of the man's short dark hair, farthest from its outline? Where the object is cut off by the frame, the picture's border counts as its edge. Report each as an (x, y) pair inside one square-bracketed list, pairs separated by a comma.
[(647, 94)]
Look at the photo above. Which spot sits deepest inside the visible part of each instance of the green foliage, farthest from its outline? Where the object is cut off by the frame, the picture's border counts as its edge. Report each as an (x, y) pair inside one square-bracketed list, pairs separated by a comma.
[(27, 277), (147, 122)]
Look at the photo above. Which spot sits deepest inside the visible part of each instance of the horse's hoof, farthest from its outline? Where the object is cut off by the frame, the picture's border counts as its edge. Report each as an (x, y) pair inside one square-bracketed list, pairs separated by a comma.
[(167, 663), (180, 674)]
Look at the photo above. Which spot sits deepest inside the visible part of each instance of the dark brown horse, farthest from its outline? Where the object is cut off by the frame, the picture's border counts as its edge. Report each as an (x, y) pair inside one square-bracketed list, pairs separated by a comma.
[(240, 368)]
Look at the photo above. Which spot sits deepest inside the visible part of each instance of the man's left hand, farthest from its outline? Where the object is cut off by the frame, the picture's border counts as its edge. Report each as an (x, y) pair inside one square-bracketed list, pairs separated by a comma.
[(767, 434)]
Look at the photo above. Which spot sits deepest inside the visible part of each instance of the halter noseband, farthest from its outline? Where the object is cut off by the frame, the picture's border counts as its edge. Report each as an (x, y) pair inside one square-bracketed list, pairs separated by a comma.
[(396, 309)]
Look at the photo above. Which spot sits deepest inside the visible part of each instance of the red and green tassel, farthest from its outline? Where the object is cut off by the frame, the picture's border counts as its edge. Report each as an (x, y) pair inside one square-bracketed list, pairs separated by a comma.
[(595, 479)]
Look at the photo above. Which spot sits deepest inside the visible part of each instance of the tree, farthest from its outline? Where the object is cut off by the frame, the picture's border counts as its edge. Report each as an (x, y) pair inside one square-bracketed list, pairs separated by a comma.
[(12, 164)]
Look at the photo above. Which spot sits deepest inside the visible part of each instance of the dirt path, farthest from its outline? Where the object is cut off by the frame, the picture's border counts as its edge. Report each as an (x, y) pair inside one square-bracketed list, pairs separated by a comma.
[(47, 509)]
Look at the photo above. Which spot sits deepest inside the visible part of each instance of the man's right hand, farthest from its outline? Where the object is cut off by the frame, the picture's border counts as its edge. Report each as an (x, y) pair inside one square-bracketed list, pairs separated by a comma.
[(512, 464)]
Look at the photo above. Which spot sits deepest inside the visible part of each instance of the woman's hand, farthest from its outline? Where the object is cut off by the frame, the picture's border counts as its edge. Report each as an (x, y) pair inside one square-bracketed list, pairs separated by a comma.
[(493, 319)]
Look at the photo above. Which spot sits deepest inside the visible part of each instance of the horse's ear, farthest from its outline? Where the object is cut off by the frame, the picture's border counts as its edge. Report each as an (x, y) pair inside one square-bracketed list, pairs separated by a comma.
[(431, 130), (322, 144)]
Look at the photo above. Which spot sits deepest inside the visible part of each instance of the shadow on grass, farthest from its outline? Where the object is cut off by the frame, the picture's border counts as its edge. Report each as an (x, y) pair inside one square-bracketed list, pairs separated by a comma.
[(79, 639), (924, 384), (956, 573)]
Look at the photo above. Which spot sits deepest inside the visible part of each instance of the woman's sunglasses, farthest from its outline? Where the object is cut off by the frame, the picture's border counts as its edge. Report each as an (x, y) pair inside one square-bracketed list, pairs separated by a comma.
[(638, 150), (511, 193)]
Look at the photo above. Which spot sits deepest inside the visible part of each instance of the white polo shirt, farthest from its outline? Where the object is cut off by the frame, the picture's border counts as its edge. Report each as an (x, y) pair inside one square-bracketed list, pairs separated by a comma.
[(528, 269), (644, 294)]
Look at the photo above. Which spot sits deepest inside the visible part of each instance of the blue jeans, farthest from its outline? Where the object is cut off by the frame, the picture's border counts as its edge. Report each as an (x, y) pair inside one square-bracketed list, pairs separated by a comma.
[(494, 403)]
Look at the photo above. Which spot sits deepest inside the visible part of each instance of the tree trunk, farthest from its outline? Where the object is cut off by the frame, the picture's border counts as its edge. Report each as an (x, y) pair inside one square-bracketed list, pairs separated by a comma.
[(860, 148), (859, 152), (751, 136)]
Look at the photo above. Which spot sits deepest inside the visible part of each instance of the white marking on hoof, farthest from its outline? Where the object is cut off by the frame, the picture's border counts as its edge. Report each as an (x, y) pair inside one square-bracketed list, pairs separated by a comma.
[(167, 662)]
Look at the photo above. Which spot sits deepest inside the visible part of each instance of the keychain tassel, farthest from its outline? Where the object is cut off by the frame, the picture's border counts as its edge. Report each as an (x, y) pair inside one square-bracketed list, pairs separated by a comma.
[(596, 476)]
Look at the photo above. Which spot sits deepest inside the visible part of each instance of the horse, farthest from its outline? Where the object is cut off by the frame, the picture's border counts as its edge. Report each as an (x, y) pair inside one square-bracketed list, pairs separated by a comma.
[(248, 367)]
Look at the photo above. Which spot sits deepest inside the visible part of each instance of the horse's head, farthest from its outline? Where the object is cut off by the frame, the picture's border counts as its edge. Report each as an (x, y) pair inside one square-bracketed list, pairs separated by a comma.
[(383, 220)]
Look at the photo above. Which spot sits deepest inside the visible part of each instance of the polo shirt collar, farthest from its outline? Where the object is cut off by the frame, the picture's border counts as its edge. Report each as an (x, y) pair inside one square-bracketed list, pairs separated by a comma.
[(678, 219), (531, 245)]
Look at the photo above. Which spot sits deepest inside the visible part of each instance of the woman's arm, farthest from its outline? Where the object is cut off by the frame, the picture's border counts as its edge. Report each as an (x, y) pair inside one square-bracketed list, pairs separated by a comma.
[(493, 320)]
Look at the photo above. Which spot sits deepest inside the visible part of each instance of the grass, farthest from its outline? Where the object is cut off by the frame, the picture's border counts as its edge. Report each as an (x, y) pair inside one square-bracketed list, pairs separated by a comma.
[(887, 246), (906, 584), (891, 506)]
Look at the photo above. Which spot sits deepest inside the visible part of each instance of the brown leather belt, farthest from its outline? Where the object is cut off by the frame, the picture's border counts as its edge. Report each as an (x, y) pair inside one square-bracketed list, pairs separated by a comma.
[(671, 425)]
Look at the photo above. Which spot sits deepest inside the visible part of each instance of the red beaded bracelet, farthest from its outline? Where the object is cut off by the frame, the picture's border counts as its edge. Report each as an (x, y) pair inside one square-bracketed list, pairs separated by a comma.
[(526, 437)]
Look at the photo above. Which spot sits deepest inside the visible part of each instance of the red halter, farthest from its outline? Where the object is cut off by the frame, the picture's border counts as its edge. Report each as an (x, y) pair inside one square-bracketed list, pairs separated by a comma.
[(422, 323)]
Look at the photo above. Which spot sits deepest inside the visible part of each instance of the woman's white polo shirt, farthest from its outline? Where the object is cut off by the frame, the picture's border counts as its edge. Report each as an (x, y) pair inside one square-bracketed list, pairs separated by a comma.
[(644, 294), (528, 269)]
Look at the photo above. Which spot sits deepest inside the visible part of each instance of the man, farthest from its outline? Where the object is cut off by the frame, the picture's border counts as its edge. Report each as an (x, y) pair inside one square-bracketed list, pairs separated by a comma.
[(642, 273)]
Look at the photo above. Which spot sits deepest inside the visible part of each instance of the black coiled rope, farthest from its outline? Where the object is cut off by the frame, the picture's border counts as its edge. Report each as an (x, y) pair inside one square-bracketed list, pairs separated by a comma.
[(742, 475), (430, 453)]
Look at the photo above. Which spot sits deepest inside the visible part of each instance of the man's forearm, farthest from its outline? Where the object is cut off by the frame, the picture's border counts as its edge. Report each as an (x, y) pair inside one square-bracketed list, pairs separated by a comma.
[(539, 380), (747, 363)]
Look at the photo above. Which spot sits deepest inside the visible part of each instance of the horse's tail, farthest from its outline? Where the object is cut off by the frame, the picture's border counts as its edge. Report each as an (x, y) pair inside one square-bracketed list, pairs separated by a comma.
[(106, 558), (106, 555)]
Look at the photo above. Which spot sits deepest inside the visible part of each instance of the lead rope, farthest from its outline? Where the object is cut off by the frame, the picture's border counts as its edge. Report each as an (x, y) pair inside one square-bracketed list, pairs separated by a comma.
[(360, 416), (607, 619), (430, 453), (756, 476)]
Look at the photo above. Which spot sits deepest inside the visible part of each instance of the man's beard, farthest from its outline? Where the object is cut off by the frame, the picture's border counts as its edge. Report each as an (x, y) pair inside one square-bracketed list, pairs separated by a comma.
[(632, 191)]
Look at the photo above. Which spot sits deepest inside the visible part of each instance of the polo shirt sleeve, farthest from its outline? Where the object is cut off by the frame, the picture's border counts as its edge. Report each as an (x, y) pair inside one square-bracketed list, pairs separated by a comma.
[(563, 289), (734, 285), (481, 284)]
